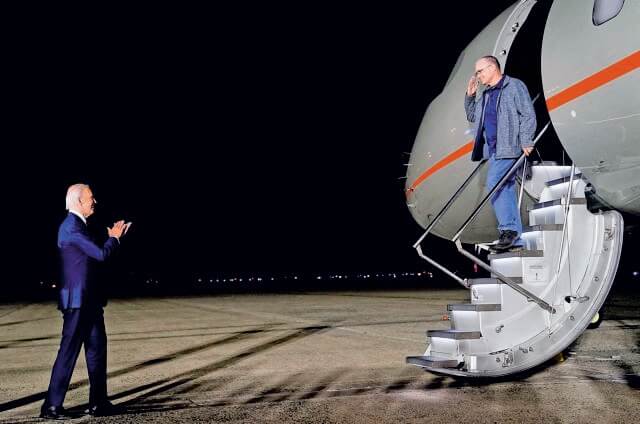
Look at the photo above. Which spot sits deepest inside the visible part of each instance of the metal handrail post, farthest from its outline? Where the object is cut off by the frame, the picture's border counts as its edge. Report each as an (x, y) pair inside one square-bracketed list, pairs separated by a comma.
[(524, 172), (566, 215)]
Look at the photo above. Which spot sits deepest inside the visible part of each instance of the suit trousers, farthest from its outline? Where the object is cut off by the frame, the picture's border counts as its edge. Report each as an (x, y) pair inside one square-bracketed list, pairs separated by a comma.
[(82, 326)]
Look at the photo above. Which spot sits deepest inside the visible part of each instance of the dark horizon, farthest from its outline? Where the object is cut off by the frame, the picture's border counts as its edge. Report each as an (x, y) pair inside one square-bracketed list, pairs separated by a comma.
[(235, 141)]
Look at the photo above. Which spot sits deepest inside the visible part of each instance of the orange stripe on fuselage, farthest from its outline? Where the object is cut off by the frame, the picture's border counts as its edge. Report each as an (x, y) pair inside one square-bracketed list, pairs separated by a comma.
[(594, 81), (578, 89), (451, 157)]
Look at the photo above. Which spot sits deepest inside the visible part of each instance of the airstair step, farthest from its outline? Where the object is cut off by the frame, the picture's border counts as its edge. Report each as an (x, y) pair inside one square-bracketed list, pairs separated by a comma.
[(476, 307), (479, 281), (542, 227), (563, 180), (454, 334), (544, 163), (432, 361), (517, 254), (558, 202)]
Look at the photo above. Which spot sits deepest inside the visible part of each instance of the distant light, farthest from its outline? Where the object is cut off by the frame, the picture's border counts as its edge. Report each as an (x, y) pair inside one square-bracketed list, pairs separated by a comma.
[(636, 273), (41, 282), (419, 274), (199, 280), (319, 277), (53, 286)]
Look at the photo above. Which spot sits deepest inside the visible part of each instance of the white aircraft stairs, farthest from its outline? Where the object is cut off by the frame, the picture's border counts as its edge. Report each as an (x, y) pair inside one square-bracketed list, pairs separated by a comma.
[(538, 299)]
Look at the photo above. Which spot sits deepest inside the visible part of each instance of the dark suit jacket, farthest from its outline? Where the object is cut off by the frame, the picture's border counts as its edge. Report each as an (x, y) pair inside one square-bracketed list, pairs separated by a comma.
[(79, 254)]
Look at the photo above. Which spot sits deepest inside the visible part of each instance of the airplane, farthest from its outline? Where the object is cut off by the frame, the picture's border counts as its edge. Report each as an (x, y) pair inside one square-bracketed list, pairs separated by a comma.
[(579, 60)]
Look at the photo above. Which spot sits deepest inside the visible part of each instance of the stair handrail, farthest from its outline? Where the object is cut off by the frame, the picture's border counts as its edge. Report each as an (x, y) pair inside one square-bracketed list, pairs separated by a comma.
[(496, 187), (449, 203), (456, 238), (445, 208)]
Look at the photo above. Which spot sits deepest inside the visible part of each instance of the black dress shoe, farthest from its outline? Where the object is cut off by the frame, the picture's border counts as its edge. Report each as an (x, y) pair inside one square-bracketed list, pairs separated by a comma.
[(53, 413), (103, 409), (507, 239)]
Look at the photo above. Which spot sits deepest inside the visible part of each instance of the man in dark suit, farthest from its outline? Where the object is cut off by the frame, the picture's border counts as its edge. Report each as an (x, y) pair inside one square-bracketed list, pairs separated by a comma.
[(81, 303)]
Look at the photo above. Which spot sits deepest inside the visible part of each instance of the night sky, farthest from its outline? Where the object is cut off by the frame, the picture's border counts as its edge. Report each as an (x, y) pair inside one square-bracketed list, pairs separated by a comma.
[(255, 139)]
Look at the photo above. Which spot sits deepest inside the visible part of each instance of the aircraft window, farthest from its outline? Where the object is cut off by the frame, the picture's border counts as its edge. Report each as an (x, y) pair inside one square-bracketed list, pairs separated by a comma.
[(605, 10)]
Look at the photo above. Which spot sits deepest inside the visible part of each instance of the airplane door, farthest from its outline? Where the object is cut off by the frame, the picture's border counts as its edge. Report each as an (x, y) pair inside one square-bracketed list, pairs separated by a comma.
[(510, 30)]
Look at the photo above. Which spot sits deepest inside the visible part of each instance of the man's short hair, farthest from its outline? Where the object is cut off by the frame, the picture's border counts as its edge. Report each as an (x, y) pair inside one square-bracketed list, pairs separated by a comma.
[(492, 59), (74, 192)]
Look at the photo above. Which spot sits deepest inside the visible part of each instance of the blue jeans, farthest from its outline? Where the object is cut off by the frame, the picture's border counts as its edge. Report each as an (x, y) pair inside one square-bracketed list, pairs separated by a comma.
[(504, 201)]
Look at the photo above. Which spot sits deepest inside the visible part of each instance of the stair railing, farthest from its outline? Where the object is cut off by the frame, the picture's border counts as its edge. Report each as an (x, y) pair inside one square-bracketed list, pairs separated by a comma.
[(445, 208), (567, 205), (456, 239)]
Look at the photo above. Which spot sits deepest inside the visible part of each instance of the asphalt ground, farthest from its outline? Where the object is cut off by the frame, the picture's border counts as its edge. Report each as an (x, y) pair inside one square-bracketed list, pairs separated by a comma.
[(317, 357)]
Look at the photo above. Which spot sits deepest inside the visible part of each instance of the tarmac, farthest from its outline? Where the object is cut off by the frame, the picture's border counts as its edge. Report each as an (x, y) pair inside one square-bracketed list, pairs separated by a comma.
[(314, 357)]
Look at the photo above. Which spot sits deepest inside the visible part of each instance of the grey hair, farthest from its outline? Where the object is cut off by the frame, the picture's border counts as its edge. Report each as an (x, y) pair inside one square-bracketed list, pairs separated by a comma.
[(73, 194), (491, 59)]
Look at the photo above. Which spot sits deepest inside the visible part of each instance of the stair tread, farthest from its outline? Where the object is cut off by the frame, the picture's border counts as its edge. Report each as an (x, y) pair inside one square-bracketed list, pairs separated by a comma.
[(563, 180), (478, 307), (558, 202), (538, 163), (517, 254), (493, 280), (432, 361), (454, 334), (541, 227)]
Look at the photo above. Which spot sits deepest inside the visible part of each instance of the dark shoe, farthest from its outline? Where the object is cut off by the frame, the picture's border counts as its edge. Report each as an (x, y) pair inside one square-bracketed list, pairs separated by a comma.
[(54, 413), (103, 410), (495, 246), (516, 248), (507, 238)]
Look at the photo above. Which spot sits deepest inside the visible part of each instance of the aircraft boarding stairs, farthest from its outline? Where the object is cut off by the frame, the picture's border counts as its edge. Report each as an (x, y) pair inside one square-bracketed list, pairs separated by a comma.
[(539, 299)]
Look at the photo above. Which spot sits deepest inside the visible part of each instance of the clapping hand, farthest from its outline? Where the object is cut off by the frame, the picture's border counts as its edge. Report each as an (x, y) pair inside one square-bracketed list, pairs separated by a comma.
[(119, 229)]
